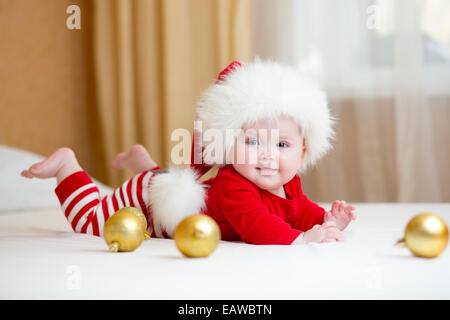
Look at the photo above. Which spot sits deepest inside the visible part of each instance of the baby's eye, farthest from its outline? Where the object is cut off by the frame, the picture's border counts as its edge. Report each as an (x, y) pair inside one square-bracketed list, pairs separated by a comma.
[(282, 145), (252, 142)]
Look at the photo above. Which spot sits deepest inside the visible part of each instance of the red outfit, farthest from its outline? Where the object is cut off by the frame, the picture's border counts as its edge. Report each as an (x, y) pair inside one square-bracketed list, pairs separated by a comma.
[(245, 212), (242, 211)]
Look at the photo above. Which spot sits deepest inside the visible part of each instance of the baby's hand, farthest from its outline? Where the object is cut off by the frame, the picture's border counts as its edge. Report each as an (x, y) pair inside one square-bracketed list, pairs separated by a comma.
[(327, 232), (341, 214)]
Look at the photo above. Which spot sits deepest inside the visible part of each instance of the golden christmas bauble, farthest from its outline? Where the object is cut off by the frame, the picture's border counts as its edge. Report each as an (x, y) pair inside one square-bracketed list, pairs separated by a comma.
[(197, 236), (426, 235), (138, 213), (124, 231)]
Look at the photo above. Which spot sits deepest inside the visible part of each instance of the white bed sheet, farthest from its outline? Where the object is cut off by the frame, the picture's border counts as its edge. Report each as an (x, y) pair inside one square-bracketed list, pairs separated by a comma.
[(41, 258)]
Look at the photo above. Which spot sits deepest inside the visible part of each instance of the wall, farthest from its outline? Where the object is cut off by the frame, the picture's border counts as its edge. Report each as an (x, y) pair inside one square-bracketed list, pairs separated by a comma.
[(45, 98)]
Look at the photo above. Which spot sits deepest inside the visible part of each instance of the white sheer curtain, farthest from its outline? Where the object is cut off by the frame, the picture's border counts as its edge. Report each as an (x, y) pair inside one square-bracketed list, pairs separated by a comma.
[(386, 68)]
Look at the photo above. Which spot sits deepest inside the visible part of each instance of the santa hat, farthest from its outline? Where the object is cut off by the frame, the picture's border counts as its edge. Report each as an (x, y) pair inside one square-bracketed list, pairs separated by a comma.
[(245, 93)]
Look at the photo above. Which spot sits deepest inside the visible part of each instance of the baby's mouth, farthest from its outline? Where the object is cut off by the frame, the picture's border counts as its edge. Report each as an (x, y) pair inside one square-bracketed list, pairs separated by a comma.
[(267, 171)]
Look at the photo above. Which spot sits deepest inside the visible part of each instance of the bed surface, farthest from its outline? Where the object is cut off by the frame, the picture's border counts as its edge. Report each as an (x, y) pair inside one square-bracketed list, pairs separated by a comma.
[(42, 258)]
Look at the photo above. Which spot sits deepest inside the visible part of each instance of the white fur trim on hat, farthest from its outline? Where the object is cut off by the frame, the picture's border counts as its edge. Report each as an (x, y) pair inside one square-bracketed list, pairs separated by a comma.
[(265, 90), (174, 196)]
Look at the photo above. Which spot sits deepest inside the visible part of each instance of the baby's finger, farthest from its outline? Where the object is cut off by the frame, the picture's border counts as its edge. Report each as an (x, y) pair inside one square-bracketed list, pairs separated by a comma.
[(329, 240), (334, 233), (349, 208), (329, 236), (349, 212), (329, 224), (335, 206), (342, 206), (336, 237)]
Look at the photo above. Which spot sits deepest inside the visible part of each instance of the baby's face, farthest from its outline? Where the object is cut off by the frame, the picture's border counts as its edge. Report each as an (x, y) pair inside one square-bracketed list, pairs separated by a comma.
[(269, 153)]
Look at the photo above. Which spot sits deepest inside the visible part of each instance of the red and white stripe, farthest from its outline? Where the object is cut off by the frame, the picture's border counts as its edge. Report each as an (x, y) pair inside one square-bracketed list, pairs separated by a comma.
[(87, 212)]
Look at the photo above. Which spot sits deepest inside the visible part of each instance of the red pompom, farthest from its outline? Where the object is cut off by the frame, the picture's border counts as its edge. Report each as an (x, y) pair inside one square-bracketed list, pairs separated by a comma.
[(229, 69)]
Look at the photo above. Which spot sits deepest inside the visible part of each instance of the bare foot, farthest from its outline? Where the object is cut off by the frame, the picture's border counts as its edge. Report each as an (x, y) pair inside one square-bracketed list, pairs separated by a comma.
[(60, 164), (137, 159)]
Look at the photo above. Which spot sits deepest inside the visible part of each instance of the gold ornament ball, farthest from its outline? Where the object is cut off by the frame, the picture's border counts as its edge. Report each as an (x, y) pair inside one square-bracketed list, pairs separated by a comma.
[(426, 235), (138, 213), (124, 231), (197, 236)]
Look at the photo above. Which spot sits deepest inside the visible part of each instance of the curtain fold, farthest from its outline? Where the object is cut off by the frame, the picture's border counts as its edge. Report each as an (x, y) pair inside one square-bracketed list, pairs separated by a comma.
[(417, 172), (152, 59)]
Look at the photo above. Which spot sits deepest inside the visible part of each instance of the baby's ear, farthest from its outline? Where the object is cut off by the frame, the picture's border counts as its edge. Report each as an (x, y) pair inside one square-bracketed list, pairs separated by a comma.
[(304, 149)]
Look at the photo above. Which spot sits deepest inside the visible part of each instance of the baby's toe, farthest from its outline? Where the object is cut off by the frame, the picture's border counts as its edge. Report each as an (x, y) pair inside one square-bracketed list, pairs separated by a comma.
[(26, 174)]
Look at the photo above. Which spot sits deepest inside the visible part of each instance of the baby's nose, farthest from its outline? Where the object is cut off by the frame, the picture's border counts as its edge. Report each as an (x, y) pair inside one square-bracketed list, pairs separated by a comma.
[(267, 153)]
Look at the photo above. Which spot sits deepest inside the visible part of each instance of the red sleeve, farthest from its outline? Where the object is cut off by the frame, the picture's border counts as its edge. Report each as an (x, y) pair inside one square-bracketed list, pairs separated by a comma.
[(242, 206), (309, 214)]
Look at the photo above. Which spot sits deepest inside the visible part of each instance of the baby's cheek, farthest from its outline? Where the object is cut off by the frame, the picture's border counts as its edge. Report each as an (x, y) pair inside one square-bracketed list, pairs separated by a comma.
[(289, 161), (251, 155)]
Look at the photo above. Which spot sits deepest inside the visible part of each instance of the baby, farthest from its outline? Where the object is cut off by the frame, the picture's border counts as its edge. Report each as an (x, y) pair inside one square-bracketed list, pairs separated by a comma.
[(281, 126)]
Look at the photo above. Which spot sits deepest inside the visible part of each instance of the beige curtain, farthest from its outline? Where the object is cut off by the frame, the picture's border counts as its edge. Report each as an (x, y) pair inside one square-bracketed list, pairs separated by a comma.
[(151, 60), (45, 101)]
